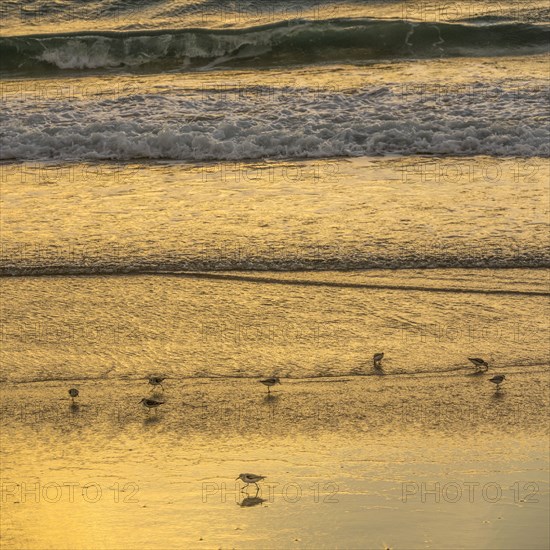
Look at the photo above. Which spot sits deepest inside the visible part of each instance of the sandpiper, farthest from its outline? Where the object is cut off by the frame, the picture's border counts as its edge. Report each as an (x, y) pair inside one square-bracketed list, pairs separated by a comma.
[(250, 478), (498, 380), (73, 392), (479, 363), (377, 360), (270, 382), (151, 403), (156, 381)]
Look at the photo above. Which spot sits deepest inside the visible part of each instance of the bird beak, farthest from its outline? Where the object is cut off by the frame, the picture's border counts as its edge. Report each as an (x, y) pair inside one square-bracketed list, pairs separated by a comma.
[(236, 478)]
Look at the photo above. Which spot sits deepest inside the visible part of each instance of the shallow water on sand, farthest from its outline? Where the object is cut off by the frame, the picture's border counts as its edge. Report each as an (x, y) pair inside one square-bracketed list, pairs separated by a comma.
[(298, 325), (286, 215), (352, 454), (343, 458), (230, 202)]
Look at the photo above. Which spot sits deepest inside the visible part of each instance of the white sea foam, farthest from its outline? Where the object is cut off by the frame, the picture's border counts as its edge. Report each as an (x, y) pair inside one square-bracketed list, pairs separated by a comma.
[(269, 123)]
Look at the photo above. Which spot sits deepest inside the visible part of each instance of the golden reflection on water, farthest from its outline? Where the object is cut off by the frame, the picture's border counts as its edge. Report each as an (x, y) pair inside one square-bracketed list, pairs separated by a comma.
[(36, 18), (196, 327), (338, 452), (275, 215), (332, 451)]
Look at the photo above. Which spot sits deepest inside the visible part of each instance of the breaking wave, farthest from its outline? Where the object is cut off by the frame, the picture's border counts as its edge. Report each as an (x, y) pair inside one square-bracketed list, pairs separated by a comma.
[(278, 44)]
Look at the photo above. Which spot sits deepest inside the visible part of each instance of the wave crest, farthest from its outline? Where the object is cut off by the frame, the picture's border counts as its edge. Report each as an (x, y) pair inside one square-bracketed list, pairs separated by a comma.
[(282, 43)]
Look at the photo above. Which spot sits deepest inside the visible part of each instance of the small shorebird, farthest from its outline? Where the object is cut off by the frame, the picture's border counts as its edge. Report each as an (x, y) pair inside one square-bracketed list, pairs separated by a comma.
[(156, 381), (73, 392), (479, 363), (250, 478), (151, 403), (377, 360), (270, 382), (498, 380)]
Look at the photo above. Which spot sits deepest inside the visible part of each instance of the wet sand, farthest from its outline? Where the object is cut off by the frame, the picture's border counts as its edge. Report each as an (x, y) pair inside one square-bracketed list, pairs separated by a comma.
[(398, 461), (330, 186)]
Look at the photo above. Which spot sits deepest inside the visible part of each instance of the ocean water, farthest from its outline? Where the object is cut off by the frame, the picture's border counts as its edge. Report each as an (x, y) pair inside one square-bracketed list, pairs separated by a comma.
[(299, 268), (221, 191)]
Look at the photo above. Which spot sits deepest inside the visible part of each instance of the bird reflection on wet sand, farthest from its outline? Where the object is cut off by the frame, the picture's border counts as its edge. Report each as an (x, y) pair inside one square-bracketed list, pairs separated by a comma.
[(248, 502), (271, 398), (149, 420)]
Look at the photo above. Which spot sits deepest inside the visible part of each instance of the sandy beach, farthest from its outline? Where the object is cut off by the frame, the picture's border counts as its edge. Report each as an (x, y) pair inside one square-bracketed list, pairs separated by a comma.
[(410, 461), (200, 199)]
